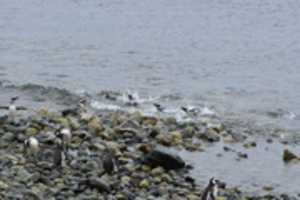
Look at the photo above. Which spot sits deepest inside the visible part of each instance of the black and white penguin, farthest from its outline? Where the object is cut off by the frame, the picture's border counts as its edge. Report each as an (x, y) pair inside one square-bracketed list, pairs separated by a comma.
[(12, 107), (32, 147), (211, 190), (65, 135), (58, 155)]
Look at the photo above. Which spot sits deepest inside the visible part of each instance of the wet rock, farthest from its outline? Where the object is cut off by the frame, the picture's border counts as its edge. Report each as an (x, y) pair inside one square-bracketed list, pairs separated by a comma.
[(3, 185), (149, 121), (145, 148), (193, 197), (98, 184), (8, 137), (268, 188), (242, 155), (95, 126), (176, 137), (210, 136), (144, 184), (31, 131), (164, 159), (250, 145), (288, 156), (221, 198), (165, 140)]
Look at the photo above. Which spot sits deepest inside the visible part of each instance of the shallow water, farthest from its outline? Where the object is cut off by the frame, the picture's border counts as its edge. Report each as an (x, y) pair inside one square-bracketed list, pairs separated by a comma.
[(264, 167), (240, 56)]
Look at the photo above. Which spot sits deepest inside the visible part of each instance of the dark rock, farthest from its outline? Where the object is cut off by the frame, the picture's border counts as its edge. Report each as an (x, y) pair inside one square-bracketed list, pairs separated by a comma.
[(164, 159), (242, 155), (209, 136), (288, 156), (98, 184)]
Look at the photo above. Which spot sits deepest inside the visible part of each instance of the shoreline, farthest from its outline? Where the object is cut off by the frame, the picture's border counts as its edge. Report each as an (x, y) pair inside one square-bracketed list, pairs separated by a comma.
[(132, 136)]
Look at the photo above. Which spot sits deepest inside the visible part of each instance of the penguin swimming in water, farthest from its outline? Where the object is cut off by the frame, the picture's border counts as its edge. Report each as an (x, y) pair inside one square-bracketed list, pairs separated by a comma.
[(131, 100), (159, 107), (32, 147), (211, 190), (190, 111)]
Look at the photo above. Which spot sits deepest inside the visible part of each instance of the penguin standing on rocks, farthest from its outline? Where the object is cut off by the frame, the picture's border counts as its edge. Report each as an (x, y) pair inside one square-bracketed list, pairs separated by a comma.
[(65, 136), (109, 161), (211, 190), (32, 147), (58, 155)]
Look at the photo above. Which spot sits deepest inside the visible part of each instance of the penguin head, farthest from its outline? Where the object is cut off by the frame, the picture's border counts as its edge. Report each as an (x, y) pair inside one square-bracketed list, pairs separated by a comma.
[(213, 181), (59, 134), (13, 99), (217, 183), (26, 143), (32, 143), (82, 101)]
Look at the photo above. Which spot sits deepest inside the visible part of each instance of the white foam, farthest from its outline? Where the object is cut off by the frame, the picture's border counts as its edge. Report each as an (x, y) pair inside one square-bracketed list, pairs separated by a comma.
[(102, 106)]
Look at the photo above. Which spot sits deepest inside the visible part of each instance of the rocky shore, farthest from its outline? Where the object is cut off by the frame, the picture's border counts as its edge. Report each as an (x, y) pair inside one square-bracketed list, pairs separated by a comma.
[(143, 166)]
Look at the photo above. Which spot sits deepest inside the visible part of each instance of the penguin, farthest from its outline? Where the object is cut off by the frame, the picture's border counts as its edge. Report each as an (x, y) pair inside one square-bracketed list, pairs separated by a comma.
[(130, 97), (109, 161), (32, 146), (65, 135), (131, 101), (190, 111), (184, 109), (159, 107), (82, 104), (12, 108), (211, 190), (58, 155)]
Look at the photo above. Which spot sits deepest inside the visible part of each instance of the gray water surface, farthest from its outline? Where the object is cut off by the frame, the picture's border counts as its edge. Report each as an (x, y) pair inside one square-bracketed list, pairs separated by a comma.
[(263, 167), (241, 56)]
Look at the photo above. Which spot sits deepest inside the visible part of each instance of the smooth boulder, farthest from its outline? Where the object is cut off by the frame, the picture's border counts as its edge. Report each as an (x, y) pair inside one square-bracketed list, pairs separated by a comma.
[(156, 158)]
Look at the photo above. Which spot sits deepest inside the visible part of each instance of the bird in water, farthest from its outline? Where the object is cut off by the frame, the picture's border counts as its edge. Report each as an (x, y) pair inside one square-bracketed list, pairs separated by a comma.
[(109, 161), (190, 111), (131, 100), (159, 107), (32, 147), (211, 190)]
